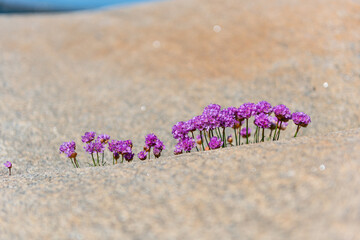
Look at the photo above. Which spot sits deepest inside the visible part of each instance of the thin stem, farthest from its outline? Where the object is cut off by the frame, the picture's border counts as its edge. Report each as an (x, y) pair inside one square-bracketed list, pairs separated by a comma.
[(255, 135), (247, 131), (224, 135), (9, 171), (263, 135), (73, 163), (192, 133), (274, 138), (202, 141), (113, 159), (97, 157), (270, 134), (279, 131), (258, 136), (297, 130), (76, 162), (102, 160), (219, 132), (206, 139), (148, 155), (92, 156), (236, 141)]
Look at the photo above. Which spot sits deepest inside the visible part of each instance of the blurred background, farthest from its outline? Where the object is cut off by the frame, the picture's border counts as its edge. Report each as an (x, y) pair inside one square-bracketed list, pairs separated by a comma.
[(36, 6)]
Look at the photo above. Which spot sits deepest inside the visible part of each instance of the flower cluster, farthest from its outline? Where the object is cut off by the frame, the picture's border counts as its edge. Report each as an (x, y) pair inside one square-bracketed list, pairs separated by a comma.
[(96, 147), (154, 143), (208, 130), (8, 164), (69, 149)]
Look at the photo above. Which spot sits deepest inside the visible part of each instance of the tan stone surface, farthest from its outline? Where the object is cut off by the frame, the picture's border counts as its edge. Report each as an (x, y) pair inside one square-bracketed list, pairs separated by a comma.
[(299, 189), (64, 74)]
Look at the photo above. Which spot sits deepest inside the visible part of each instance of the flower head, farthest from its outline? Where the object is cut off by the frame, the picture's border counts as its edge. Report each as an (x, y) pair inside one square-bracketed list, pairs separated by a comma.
[(94, 147), (8, 164), (68, 148), (282, 113), (142, 155), (180, 130), (301, 119), (103, 138), (263, 107), (88, 137), (226, 117), (246, 110), (215, 143), (159, 146), (262, 120), (129, 143), (150, 140), (129, 156), (178, 149), (185, 144), (243, 132), (212, 110), (113, 146)]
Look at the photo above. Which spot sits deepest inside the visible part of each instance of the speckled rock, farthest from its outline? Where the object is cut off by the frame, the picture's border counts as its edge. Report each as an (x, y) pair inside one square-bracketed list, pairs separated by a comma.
[(304, 188), (131, 71)]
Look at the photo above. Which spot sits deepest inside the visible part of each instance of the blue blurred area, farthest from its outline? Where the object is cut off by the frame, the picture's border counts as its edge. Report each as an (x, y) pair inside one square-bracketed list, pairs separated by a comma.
[(33, 6)]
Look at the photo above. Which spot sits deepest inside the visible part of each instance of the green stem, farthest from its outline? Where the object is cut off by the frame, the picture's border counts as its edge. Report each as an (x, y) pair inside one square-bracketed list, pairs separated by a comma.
[(270, 135), (225, 140), (97, 157), (247, 131), (274, 138), (73, 163), (77, 164), (263, 135), (219, 133), (236, 141), (207, 142), (297, 130), (102, 160), (113, 160), (279, 131), (202, 141), (192, 133), (255, 135), (92, 156)]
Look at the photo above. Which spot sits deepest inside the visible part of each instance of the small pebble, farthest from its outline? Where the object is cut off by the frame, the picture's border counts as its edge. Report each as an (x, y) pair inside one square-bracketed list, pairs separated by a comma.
[(217, 28), (156, 44), (322, 167), (143, 108), (325, 85)]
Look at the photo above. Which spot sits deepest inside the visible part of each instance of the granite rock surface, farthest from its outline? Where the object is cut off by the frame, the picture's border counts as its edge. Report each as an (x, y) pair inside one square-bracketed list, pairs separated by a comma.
[(135, 70)]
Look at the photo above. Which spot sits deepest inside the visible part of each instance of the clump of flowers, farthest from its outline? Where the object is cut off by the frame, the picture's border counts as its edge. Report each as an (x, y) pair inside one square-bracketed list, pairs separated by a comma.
[(206, 131), (8, 164), (96, 146), (154, 143), (69, 149), (301, 120)]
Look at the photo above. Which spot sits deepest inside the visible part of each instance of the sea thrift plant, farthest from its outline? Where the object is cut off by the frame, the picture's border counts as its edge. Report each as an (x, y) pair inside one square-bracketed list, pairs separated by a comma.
[(301, 120), (9, 166), (88, 137), (154, 143), (205, 131), (69, 149), (215, 143)]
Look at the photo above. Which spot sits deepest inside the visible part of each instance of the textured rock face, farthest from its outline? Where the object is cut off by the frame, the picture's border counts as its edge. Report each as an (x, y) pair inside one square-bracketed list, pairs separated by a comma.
[(132, 71)]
